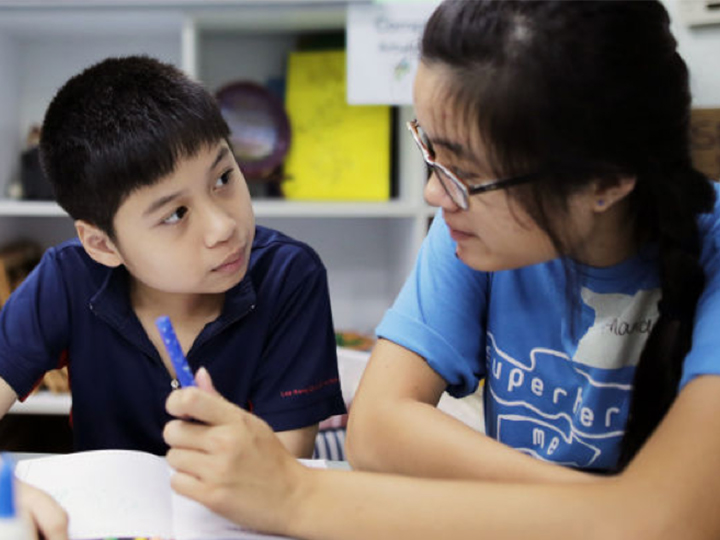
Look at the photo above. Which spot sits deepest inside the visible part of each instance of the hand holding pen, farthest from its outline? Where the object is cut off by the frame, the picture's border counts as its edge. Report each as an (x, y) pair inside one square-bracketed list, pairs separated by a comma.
[(259, 466)]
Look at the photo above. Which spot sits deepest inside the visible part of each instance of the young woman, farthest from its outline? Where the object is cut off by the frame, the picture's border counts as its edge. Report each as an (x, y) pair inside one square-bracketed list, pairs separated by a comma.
[(574, 267)]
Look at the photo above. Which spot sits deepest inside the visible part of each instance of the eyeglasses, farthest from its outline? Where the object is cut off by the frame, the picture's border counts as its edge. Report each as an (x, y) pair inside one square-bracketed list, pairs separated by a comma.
[(456, 189)]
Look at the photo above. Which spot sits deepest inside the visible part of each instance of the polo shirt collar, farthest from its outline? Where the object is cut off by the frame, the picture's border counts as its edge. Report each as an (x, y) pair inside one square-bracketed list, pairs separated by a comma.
[(111, 303)]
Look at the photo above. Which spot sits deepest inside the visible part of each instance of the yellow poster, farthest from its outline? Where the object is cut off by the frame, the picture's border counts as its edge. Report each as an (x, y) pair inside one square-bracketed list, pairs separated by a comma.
[(337, 151)]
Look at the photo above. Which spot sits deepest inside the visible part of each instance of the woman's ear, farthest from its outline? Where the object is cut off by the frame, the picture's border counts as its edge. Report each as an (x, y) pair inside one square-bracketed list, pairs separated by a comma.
[(607, 194), (97, 244)]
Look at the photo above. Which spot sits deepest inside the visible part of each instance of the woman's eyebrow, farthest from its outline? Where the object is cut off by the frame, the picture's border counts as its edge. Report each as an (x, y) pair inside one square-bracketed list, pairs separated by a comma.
[(460, 151), (456, 148)]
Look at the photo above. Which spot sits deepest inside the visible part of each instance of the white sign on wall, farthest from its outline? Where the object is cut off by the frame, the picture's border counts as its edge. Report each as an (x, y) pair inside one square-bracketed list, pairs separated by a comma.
[(382, 51)]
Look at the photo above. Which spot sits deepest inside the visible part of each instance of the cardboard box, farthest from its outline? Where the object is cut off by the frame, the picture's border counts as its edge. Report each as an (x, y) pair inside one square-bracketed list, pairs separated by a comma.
[(705, 141)]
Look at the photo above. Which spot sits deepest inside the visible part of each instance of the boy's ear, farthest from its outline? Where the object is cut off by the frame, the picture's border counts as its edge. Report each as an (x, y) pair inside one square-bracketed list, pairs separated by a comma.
[(606, 194), (97, 244)]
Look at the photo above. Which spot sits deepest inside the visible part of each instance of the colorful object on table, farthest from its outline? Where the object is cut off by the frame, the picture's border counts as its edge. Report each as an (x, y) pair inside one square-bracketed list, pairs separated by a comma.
[(135, 538), (172, 346)]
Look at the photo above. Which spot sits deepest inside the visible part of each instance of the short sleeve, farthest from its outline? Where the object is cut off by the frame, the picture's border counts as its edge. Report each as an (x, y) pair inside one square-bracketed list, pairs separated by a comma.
[(33, 326), (440, 313), (297, 383), (703, 358)]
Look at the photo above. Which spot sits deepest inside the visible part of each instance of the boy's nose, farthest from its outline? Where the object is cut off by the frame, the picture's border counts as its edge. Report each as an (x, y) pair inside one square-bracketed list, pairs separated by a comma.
[(219, 226)]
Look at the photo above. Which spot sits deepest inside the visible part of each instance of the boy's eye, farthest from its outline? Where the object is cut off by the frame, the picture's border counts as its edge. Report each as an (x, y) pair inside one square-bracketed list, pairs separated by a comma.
[(176, 216), (224, 179)]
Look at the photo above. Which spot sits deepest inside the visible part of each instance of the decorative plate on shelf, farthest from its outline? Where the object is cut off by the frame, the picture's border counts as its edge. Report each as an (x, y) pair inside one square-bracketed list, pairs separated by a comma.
[(259, 127)]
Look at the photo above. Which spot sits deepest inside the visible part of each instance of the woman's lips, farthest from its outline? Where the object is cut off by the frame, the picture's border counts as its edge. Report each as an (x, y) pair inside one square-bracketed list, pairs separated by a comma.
[(458, 235)]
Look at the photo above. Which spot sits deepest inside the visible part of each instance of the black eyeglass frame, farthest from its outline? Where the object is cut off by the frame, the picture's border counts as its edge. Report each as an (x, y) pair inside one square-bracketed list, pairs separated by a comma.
[(462, 191)]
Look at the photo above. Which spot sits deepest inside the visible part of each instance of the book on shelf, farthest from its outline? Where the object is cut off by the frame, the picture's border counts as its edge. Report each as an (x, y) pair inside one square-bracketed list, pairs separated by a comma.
[(16, 261), (705, 141), (338, 152), (127, 494)]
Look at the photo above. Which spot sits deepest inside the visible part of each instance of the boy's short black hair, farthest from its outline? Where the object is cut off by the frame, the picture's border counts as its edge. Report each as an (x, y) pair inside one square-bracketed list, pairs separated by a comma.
[(119, 125)]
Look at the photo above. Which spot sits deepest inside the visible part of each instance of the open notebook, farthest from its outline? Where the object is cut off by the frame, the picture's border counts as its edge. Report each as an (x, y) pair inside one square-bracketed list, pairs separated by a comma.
[(126, 493)]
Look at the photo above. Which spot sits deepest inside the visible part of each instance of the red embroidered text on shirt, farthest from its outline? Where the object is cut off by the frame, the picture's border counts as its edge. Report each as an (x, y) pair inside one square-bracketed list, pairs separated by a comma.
[(309, 389)]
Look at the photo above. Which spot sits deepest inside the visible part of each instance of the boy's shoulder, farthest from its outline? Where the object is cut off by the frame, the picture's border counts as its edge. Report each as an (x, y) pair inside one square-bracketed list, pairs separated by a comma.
[(69, 262), (70, 253), (72, 245), (272, 246)]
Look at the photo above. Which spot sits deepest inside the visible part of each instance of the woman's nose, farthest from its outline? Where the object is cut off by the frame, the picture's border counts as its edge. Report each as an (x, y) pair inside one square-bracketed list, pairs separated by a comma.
[(436, 195)]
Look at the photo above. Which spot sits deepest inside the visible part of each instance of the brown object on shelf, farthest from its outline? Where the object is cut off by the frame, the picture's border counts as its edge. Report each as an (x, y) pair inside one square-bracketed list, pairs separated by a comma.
[(56, 381), (705, 141), (16, 261)]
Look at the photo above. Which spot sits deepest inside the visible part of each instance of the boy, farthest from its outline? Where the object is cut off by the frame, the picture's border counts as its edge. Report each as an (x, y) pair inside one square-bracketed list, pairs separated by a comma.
[(138, 155)]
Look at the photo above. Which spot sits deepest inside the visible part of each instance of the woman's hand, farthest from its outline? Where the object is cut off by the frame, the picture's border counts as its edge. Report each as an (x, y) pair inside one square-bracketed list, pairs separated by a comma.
[(231, 461), (46, 515)]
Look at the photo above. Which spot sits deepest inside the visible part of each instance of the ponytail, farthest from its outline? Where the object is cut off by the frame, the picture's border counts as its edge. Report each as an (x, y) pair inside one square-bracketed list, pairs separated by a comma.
[(657, 376)]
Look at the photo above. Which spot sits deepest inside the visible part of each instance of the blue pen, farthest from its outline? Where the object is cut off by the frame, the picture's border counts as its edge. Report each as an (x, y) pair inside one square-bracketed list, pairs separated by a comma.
[(172, 346)]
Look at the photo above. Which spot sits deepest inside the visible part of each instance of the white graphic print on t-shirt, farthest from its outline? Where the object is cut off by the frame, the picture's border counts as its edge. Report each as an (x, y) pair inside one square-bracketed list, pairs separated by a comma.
[(572, 410)]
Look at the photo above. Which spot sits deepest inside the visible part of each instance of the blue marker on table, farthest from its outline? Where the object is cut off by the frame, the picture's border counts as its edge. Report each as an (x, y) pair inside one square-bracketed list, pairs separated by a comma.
[(172, 346)]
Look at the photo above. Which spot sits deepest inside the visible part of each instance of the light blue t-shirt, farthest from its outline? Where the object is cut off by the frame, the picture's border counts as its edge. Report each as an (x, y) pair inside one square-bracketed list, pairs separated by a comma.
[(557, 390)]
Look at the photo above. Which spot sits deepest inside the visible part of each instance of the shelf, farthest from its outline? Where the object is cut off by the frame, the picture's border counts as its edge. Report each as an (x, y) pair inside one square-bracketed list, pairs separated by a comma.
[(37, 26), (297, 209), (263, 208), (43, 402), (54, 4), (265, 18), (10, 207)]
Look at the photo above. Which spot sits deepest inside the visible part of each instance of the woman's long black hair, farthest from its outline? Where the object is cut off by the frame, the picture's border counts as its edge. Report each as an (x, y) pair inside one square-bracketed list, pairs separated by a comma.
[(589, 91)]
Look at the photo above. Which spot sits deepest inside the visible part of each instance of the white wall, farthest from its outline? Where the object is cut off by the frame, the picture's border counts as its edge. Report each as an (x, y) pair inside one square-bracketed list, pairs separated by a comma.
[(700, 47), (9, 93)]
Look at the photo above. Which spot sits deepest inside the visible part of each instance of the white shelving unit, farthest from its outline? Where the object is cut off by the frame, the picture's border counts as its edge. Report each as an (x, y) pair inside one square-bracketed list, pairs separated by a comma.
[(368, 248)]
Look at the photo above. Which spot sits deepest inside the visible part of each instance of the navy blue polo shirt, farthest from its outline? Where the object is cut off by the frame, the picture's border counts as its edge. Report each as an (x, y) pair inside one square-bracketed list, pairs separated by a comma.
[(271, 350)]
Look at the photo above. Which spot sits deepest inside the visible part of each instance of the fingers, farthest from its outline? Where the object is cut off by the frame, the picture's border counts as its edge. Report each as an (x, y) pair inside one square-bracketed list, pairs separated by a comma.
[(207, 407), (53, 527), (204, 381), (210, 469), (222, 441), (192, 463), (183, 434), (210, 495), (47, 515), (214, 413), (187, 485)]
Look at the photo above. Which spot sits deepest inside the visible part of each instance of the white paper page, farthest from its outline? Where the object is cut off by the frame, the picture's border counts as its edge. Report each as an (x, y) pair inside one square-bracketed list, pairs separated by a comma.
[(106, 492), (193, 521), (383, 51)]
